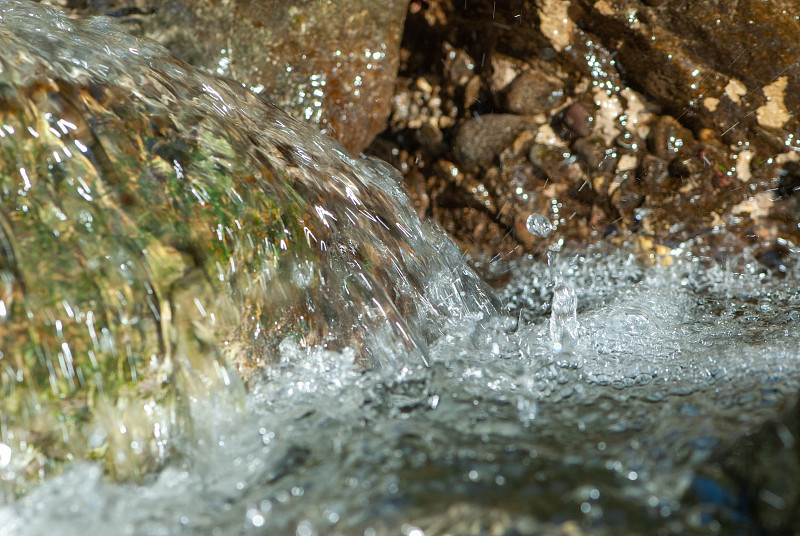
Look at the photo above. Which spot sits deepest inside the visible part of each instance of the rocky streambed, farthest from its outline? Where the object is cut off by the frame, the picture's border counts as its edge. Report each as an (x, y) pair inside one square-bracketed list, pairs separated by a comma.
[(663, 121)]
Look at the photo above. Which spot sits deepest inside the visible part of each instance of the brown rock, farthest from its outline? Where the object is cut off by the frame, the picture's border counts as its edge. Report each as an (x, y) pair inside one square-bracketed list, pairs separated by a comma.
[(727, 66), (578, 119), (481, 138), (653, 173), (330, 62), (668, 137), (534, 91)]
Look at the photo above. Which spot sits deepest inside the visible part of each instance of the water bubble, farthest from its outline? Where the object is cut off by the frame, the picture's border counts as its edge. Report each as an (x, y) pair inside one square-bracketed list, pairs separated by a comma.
[(527, 408), (539, 225)]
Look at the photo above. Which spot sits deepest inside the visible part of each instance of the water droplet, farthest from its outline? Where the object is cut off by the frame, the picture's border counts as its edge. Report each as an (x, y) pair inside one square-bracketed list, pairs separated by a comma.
[(539, 225)]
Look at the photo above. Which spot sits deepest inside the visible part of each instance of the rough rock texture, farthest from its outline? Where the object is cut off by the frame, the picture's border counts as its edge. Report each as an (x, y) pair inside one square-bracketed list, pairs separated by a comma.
[(661, 122), (329, 62), (728, 66)]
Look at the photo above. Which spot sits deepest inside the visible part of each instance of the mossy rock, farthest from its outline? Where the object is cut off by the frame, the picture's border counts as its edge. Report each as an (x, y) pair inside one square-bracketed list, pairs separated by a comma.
[(162, 230)]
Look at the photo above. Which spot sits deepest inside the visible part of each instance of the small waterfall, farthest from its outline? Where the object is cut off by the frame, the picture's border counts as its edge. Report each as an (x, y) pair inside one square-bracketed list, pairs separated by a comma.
[(163, 230)]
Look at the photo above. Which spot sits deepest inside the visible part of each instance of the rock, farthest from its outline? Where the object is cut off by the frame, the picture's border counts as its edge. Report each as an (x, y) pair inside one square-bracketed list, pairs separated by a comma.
[(481, 138), (668, 138), (715, 69), (162, 231), (331, 62), (594, 154), (578, 119), (534, 91), (653, 174)]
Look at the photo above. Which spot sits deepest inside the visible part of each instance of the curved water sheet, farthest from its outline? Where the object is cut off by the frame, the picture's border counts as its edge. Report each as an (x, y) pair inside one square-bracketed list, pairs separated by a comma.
[(505, 433), (162, 231)]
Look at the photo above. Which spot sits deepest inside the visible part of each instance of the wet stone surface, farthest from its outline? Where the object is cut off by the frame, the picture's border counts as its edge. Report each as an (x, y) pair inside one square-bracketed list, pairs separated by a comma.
[(332, 63)]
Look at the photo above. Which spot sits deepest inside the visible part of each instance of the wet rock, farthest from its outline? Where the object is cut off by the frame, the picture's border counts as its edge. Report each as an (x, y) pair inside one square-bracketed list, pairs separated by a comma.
[(547, 159), (481, 138), (627, 196), (684, 165), (715, 69), (789, 184), (332, 62), (534, 91), (578, 119), (162, 230), (653, 174), (668, 137), (594, 154), (504, 70)]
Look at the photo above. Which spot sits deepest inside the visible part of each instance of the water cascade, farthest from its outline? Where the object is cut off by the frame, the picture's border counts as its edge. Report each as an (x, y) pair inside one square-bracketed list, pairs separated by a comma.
[(214, 320)]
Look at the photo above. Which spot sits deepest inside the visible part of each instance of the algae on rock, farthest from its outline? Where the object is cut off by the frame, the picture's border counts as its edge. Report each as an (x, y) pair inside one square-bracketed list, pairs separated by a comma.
[(162, 230)]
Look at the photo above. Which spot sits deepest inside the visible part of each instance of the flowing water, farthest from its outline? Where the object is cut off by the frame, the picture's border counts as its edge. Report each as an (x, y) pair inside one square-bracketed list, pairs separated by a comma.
[(592, 399), (610, 430)]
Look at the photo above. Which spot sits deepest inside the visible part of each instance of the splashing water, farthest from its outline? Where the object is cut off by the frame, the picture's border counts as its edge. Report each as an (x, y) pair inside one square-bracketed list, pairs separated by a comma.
[(503, 431), (500, 429), (539, 225), (563, 315), (564, 305), (163, 231)]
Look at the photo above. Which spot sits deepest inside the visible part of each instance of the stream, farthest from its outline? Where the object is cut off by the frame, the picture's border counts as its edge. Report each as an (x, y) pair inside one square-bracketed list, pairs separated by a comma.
[(591, 393), (500, 430)]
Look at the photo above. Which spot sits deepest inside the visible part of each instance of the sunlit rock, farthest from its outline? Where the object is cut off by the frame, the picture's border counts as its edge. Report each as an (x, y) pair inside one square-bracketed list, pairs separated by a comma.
[(727, 67), (655, 120), (329, 62)]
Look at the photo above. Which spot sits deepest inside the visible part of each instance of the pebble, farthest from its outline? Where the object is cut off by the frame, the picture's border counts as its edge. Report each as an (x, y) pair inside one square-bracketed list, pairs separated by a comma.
[(578, 119), (481, 138), (534, 92)]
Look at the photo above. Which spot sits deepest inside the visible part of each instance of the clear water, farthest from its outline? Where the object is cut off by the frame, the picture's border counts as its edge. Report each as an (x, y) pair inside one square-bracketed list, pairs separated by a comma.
[(594, 398), (608, 431)]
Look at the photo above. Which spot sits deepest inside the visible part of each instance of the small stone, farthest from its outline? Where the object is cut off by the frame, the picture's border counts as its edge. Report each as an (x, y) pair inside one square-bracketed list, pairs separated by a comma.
[(459, 66), (594, 154), (534, 91), (684, 165), (504, 71), (627, 196), (480, 139), (668, 137), (548, 159), (653, 173), (578, 119)]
